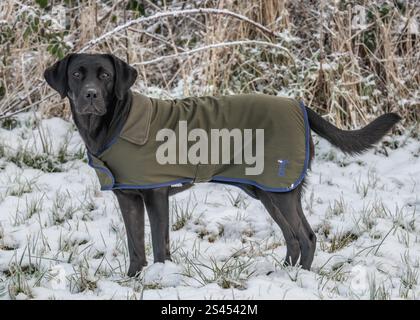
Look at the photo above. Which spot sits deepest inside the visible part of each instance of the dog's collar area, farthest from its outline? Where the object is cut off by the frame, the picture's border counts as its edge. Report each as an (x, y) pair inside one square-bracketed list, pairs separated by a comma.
[(135, 128)]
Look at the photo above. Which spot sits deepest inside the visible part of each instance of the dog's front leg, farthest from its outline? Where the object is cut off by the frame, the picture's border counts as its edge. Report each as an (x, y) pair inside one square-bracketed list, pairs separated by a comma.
[(157, 205), (132, 209)]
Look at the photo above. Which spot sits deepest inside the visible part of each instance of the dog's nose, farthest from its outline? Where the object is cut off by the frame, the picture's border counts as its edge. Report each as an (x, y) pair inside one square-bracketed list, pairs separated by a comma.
[(91, 94)]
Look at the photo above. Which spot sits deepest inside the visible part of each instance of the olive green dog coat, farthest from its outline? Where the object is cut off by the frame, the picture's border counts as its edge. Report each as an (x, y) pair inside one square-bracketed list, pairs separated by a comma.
[(129, 160)]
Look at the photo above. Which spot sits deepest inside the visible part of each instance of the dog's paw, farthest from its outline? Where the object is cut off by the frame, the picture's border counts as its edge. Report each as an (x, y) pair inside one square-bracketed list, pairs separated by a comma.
[(135, 268)]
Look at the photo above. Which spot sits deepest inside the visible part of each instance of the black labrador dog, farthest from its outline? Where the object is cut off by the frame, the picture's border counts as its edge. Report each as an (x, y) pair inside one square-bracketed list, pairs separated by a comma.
[(98, 88)]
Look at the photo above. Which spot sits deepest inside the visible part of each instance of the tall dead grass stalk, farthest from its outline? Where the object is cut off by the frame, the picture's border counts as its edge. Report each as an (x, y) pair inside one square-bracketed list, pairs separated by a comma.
[(351, 61)]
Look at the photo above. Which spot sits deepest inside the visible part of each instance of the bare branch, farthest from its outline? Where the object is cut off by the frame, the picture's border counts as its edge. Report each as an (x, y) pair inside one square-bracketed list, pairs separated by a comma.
[(175, 13), (4, 116), (213, 46)]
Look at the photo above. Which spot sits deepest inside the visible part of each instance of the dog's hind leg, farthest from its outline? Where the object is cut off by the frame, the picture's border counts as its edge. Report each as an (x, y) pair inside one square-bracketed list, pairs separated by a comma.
[(288, 204), (290, 232), (132, 209), (300, 234), (157, 205), (309, 251)]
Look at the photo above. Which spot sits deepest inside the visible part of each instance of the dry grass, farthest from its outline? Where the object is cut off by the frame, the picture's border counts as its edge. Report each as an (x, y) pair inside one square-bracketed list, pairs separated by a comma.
[(348, 72)]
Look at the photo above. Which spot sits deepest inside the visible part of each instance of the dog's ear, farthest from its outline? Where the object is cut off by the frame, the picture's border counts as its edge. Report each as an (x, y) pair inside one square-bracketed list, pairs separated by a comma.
[(125, 76), (56, 75)]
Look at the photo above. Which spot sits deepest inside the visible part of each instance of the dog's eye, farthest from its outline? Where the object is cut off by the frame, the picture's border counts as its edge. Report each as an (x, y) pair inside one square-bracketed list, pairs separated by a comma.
[(76, 74), (104, 75)]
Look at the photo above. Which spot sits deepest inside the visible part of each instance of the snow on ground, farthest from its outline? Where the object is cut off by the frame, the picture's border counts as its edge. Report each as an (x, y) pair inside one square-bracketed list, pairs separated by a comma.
[(61, 238)]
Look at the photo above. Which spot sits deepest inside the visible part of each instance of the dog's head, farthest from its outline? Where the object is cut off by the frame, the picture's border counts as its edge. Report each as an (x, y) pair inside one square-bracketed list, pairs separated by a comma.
[(91, 81)]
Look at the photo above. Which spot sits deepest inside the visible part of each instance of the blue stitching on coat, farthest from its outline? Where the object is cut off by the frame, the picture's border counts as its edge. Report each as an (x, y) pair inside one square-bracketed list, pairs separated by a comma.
[(151, 186)]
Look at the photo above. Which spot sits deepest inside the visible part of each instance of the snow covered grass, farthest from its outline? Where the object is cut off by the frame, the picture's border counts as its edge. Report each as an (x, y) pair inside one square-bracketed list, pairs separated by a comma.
[(61, 238)]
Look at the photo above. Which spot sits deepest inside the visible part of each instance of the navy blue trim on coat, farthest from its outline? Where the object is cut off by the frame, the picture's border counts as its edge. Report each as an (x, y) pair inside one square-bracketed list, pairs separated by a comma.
[(217, 179), (104, 170)]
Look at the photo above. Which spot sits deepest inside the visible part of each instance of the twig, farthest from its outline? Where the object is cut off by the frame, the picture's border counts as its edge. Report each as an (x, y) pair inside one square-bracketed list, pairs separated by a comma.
[(106, 15), (175, 13), (154, 36), (4, 116), (213, 46), (13, 104)]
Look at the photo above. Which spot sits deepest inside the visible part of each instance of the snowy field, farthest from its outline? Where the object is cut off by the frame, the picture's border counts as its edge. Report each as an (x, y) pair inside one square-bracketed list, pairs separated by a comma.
[(61, 238)]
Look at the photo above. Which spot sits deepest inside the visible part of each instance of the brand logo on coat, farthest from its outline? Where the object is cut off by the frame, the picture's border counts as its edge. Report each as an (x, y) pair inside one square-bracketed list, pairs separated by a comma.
[(282, 167)]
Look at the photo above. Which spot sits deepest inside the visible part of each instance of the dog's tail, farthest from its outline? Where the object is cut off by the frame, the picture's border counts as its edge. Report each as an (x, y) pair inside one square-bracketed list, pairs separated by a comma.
[(353, 141)]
